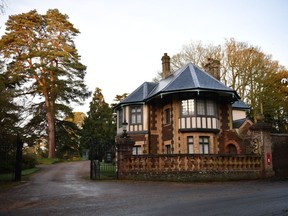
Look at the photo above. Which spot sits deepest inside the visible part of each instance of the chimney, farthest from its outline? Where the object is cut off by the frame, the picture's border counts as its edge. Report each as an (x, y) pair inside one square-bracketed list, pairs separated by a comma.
[(165, 66), (212, 67)]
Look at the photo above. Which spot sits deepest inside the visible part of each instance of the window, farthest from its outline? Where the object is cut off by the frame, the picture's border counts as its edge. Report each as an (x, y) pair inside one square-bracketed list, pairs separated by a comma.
[(137, 150), (190, 143), (120, 118), (211, 109), (136, 115), (188, 107), (167, 116), (168, 149), (204, 145), (202, 107)]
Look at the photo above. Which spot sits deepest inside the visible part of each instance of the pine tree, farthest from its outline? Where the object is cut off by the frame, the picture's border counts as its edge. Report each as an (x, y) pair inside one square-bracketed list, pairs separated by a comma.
[(41, 56), (99, 128)]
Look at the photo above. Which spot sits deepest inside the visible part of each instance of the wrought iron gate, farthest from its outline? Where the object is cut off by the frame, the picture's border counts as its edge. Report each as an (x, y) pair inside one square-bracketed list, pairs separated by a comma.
[(7, 159), (11, 159), (100, 170)]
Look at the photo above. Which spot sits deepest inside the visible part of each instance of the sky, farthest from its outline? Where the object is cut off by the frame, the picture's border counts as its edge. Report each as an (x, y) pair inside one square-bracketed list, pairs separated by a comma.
[(122, 41)]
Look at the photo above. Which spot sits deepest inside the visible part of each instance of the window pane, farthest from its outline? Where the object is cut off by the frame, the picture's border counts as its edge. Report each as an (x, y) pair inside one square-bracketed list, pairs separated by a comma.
[(206, 149), (134, 151), (201, 149), (133, 119), (168, 149), (167, 116), (200, 107), (191, 107), (210, 108), (190, 139), (188, 107), (139, 118), (190, 148), (120, 119), (137, 150), (184, 108)]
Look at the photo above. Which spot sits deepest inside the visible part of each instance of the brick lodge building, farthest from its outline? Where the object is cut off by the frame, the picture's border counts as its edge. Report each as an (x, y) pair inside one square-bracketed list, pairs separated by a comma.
[(187, 112)]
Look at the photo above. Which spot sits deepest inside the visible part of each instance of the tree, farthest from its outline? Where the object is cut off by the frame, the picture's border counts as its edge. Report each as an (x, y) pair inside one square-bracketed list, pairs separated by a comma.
[(118, 98), (41, 56), (99, 130), (68, 139), (274, 100), (197, 53), (2, 6), (9, 113), (246, 69), (68, 133)]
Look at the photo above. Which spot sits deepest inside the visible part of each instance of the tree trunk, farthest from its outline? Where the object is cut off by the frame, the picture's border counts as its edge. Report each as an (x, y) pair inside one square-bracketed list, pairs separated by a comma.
[(51, 133)]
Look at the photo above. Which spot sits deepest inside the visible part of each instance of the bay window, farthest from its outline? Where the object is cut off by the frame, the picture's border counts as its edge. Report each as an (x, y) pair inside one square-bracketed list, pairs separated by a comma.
[(199, 114)]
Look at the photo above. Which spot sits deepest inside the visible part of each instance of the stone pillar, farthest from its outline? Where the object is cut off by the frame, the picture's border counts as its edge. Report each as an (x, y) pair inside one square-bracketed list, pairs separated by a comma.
[(261, 134), (124, 148)]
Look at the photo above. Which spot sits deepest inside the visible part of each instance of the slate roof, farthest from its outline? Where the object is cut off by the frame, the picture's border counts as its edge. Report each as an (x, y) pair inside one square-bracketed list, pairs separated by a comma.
[(238, 123), (140, 94), (240, 105), (188, 78)]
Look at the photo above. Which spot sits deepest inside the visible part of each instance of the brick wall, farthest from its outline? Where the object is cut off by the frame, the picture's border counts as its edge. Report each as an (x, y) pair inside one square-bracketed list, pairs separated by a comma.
[(190, 167)]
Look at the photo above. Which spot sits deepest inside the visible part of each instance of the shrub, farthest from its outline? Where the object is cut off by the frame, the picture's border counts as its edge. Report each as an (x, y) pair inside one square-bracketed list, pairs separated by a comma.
[(29, 160)]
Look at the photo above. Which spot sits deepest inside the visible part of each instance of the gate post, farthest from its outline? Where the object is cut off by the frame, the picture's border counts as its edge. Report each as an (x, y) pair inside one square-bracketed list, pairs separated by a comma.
[(124, 148), (261, 133)]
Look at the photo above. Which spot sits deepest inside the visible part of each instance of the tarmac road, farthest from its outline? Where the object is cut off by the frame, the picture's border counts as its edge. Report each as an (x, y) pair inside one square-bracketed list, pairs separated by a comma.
[(64, 189)]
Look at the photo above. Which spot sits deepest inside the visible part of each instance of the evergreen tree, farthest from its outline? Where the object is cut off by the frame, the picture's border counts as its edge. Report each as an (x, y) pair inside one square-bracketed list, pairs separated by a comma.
[(9, 113), (41, 56), (99, 130)]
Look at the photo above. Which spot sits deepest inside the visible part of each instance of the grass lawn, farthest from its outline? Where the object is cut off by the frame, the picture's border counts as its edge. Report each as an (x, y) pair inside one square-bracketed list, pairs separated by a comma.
[(6, 180), (9, 176), (48, 161)]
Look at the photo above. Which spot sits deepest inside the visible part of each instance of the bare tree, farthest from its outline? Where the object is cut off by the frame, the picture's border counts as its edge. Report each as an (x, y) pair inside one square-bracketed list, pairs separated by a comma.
[(246, 69)]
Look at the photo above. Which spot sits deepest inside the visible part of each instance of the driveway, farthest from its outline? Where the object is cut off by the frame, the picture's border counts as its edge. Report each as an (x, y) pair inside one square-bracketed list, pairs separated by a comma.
[(65, 189)]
